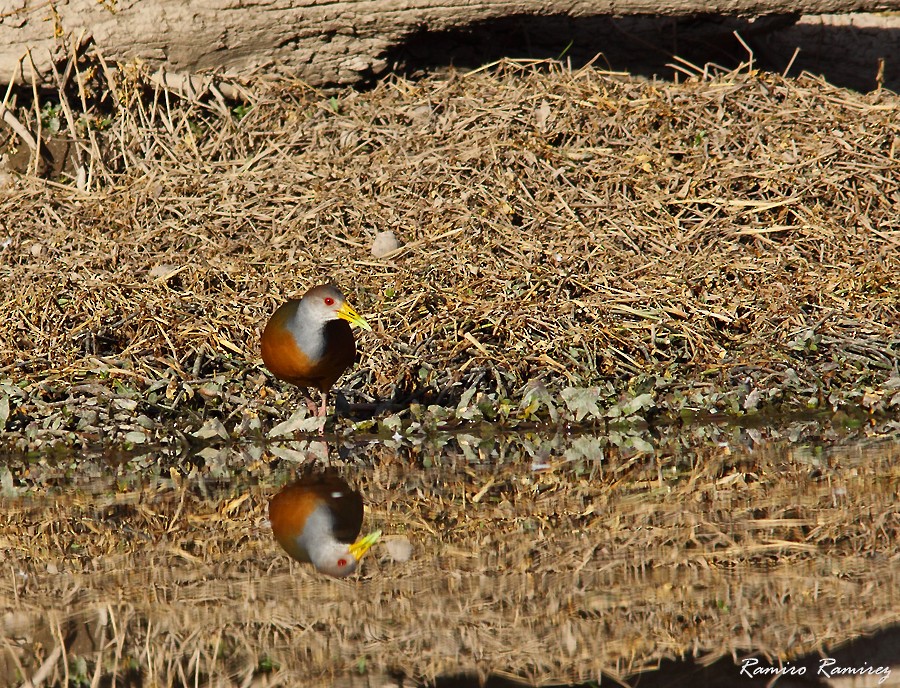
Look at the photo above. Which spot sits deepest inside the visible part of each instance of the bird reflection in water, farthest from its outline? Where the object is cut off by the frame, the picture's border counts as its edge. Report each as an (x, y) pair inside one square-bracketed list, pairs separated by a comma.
[(317, 519)]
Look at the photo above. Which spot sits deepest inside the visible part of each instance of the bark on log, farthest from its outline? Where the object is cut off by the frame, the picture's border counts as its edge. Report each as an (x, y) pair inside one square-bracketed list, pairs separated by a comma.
[(333, 42)]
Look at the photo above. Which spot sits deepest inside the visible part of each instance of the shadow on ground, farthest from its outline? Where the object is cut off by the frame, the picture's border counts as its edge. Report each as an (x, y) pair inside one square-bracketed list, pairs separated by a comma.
[(870, 660), (846, 50)]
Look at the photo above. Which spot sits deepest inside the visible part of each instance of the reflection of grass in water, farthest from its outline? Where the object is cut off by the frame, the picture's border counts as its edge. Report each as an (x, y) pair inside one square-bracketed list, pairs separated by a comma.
[(602, 563)]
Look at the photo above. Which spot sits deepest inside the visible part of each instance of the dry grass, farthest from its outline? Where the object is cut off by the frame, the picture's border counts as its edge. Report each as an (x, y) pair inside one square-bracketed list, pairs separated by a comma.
[(712, 240), (576, 246), (604, 565)]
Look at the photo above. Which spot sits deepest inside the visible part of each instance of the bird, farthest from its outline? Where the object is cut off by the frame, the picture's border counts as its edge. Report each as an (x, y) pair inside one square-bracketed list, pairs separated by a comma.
[(316, 519), (308, 341)]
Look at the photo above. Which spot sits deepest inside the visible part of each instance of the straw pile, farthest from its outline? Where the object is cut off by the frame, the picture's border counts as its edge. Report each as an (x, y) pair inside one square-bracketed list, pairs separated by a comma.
[(724, 244)]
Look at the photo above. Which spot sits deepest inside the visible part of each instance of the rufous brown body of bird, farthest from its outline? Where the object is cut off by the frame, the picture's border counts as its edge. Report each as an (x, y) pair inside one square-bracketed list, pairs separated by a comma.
[(308, 341), (317, 519)]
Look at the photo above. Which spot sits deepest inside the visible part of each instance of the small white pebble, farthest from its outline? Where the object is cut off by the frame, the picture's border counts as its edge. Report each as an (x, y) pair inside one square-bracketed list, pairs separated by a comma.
[(384, 243), (398, 548)]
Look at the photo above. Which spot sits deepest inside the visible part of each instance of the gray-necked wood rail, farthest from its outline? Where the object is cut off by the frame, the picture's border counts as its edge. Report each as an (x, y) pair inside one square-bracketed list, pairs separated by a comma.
[(308, 341), (317, 519)]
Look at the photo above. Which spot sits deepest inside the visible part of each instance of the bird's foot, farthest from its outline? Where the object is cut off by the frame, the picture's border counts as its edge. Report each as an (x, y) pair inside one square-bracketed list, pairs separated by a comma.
[(312, 406)]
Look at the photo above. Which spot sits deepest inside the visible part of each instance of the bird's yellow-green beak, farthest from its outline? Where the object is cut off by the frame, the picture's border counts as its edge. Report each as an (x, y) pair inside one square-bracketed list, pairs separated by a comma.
[(361, 546), (348, 313)]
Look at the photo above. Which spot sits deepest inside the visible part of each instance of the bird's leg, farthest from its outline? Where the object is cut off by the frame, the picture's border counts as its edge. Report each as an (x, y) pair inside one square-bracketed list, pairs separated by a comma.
[(311, 405), (324, 408)]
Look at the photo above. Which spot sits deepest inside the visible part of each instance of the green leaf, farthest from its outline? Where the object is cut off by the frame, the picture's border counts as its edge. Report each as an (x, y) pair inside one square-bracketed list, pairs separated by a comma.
[(586, 447), (465, 409), (393, 422), (7, 486), (582, 401), (640, 444), (297, 422), (4, 410), (639, 403), (534, 398), (212, 427), (135, 437)]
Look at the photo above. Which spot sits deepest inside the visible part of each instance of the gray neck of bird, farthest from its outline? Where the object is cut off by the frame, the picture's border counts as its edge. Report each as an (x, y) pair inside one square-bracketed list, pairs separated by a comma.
[(320, 544), (308, 331)]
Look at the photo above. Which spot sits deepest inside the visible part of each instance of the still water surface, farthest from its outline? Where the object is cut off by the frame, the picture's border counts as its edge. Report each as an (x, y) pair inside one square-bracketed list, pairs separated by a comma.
[(545, 556)]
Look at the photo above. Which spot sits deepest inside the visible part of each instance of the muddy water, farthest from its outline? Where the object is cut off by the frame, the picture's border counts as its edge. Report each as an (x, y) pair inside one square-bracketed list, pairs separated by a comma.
[(725, 555)]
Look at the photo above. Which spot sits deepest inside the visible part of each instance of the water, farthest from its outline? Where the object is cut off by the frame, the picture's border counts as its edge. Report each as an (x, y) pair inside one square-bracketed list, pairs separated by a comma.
[(547, 555)]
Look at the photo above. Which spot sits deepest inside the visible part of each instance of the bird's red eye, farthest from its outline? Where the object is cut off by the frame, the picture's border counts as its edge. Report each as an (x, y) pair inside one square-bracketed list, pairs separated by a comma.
[(342, 563), (329, 301)]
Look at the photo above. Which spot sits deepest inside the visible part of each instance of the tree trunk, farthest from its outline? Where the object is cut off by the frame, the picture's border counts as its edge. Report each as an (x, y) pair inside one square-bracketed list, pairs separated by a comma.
[(340, 42)]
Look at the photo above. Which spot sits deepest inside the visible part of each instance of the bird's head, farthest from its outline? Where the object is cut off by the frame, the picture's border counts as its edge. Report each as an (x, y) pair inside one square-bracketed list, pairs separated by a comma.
[(339, 559), (326, 302)]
